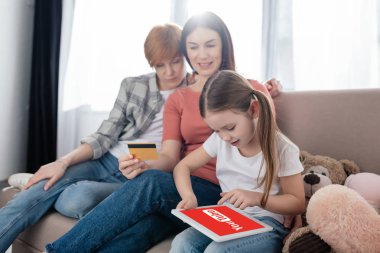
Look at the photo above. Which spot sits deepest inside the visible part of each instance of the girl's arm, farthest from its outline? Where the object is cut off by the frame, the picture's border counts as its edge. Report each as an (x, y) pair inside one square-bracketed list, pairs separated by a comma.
[(194, 160), (291, 200)]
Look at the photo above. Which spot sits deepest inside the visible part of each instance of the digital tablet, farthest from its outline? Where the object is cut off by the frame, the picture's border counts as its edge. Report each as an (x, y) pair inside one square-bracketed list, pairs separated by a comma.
[(221, 222)]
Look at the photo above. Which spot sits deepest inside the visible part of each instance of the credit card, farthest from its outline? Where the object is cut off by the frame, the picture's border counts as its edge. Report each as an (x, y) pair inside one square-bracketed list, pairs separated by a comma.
[(143, 151)]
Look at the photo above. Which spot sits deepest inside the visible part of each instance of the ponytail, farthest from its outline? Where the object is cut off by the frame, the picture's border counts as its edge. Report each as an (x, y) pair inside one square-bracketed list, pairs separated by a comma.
[(267, 130)]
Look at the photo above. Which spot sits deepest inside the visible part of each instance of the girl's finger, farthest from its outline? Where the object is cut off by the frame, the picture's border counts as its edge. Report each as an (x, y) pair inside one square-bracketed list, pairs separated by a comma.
[(226, 196), (243, 206), (238, 203), (233, 198)]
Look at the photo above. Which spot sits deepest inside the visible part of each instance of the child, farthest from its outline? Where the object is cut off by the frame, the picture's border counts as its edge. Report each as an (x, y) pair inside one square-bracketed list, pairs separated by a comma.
[(257, 167)]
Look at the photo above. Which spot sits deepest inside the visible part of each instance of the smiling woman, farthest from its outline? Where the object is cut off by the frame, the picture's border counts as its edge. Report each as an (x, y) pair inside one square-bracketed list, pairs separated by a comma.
[(245, 22)]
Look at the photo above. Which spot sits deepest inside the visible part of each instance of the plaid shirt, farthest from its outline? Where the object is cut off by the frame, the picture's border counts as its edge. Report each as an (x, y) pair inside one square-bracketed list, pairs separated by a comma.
[(137, 103)]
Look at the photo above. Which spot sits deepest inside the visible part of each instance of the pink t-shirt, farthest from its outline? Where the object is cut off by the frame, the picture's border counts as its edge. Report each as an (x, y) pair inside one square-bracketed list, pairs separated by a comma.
[(183, 122)]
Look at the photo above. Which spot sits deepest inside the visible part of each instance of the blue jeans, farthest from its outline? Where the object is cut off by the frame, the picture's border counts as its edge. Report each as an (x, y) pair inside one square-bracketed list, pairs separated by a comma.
[(140, 237), (27, 207), (191, 240), (81, 197), (118, 222)]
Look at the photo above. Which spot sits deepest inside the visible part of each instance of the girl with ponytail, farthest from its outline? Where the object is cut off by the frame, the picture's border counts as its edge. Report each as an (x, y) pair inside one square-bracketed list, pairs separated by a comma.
[(257, 167)]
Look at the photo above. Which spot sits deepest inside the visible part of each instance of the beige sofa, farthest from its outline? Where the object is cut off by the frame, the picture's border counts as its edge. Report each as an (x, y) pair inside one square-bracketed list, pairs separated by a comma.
[(341, 124)]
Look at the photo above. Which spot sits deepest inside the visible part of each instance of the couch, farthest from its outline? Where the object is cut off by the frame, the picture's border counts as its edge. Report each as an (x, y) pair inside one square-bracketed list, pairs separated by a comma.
[(342, 124)]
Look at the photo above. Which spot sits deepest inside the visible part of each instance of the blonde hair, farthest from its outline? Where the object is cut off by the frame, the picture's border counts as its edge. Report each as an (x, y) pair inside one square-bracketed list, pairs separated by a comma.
[(227, 90), (162, 43)]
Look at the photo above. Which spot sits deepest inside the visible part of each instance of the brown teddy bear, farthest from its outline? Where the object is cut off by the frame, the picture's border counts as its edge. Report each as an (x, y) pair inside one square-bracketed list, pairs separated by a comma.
[(319, 171)]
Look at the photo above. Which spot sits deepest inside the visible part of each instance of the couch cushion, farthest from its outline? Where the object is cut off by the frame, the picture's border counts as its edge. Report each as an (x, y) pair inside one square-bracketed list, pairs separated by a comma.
[(6, 194), (48, 229), (341, 124)]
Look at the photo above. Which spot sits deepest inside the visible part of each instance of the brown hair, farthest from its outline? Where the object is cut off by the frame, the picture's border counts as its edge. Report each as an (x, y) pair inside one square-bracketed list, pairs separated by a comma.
[(227, 90), (162, 43), (214, 22)]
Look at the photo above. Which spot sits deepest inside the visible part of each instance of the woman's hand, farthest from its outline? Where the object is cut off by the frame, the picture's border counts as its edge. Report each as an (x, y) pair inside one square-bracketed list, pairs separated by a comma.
[(52, 171), (131, 167), (274, 87), (241, 198), (188, 202)]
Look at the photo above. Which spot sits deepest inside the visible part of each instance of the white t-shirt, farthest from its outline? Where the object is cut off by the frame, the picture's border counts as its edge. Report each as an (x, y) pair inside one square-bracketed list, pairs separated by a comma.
[(152, 135), (235, 171)]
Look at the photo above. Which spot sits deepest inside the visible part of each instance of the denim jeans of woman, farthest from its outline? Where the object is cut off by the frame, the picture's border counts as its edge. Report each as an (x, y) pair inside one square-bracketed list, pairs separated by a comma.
[(119, 221), (81, 197), (27, 207), (193, 241)]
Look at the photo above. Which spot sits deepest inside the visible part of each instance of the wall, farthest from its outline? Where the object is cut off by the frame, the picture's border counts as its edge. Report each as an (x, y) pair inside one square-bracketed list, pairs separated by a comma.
[(16, 26)]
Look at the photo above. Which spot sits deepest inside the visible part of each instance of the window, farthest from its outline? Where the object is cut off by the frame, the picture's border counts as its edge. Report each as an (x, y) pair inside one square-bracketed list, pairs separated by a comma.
[(106, 46), (314, 44), (336, 44)]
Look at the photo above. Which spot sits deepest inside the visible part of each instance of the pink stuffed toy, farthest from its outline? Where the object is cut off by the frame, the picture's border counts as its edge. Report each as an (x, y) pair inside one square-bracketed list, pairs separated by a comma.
[(367, 185), (344, 219)]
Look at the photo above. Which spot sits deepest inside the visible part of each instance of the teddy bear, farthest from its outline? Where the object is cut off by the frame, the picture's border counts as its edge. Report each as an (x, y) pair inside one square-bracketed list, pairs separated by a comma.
[(319, 171), (344, 219)]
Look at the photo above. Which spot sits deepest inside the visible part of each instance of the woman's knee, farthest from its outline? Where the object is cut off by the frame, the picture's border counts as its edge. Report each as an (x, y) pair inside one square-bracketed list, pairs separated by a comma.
[(81, 197), (70, 201)]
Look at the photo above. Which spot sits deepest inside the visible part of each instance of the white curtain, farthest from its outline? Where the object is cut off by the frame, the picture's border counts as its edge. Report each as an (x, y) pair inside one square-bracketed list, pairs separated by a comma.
[(322, 44), (314, 44), (65, 142), (336, 44), (102, 42)]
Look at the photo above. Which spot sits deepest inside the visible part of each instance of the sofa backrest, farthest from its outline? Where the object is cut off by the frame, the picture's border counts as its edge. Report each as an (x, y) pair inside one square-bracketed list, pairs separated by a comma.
[(342, 124)]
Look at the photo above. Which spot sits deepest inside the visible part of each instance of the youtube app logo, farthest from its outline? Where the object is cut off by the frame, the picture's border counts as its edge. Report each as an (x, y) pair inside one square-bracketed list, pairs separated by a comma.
[(222, 220)]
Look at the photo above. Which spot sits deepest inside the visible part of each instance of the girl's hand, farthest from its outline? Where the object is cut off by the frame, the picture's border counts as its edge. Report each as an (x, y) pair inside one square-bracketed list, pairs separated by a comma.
[(131, 167), (241, 198), (52, 171), (188, 203)]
